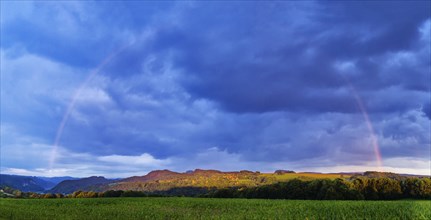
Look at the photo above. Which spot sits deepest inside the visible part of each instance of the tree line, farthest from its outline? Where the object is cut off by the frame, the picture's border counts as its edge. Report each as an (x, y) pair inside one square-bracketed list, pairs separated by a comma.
[(357, 188), (9, 192)]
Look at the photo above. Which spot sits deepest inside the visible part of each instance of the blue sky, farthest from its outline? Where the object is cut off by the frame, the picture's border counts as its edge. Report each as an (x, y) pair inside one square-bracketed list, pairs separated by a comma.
[(306, 86)]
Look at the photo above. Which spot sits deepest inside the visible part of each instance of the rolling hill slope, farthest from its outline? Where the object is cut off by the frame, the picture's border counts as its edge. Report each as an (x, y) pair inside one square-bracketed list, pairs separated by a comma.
[(161, 181), (30, 183), (88, 184), (187, 183)]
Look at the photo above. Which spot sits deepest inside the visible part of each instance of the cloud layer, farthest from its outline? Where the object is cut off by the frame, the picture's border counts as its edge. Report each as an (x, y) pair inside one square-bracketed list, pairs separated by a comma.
[(246, 85)]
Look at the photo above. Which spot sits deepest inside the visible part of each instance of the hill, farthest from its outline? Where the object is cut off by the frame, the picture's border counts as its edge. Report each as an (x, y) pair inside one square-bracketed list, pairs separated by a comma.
[(188, 183), (30, 183), (92, 183), (23, 183), (56, 180)]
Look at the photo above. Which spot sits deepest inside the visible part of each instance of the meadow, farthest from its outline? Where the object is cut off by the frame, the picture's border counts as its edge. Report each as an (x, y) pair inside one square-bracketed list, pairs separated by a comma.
[(210, 208)]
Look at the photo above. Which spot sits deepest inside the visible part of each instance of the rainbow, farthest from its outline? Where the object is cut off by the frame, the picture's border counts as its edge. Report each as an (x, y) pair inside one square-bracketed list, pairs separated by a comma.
[(72, 103), (110, 57), (374, 140)]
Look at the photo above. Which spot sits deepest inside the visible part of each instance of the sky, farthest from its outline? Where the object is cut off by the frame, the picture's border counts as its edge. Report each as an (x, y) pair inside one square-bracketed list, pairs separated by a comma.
[(122, 88)]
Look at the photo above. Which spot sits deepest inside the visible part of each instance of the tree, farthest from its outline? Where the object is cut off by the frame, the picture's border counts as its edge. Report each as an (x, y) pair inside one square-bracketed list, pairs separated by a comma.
[(59, 195), (49, 196), (17, 193)]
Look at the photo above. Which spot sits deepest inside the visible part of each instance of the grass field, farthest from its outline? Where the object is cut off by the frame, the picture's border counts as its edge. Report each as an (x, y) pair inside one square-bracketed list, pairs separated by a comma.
[(200, 208)]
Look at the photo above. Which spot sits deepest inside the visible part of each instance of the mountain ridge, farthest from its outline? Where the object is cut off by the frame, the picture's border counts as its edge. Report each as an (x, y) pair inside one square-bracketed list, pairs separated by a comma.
[(31, 183), (165, 180), (69, 186)]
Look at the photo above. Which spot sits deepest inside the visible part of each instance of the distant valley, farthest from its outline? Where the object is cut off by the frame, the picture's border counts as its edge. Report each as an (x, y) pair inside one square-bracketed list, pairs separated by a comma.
[(31, 183)]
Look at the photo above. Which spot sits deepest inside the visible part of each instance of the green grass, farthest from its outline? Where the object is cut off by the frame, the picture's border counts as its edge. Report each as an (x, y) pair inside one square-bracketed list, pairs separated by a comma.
[(200, 208)]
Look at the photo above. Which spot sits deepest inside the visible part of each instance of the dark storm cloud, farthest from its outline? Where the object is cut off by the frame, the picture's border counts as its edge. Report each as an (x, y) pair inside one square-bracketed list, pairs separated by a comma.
[(270, 63), (281, 53), (283, 62), (427, 109), (241, 82), (370, 28), (65, 31)]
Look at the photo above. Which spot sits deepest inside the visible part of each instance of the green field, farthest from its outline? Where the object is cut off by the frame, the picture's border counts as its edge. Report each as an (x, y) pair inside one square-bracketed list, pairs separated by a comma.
[(203, 208)]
